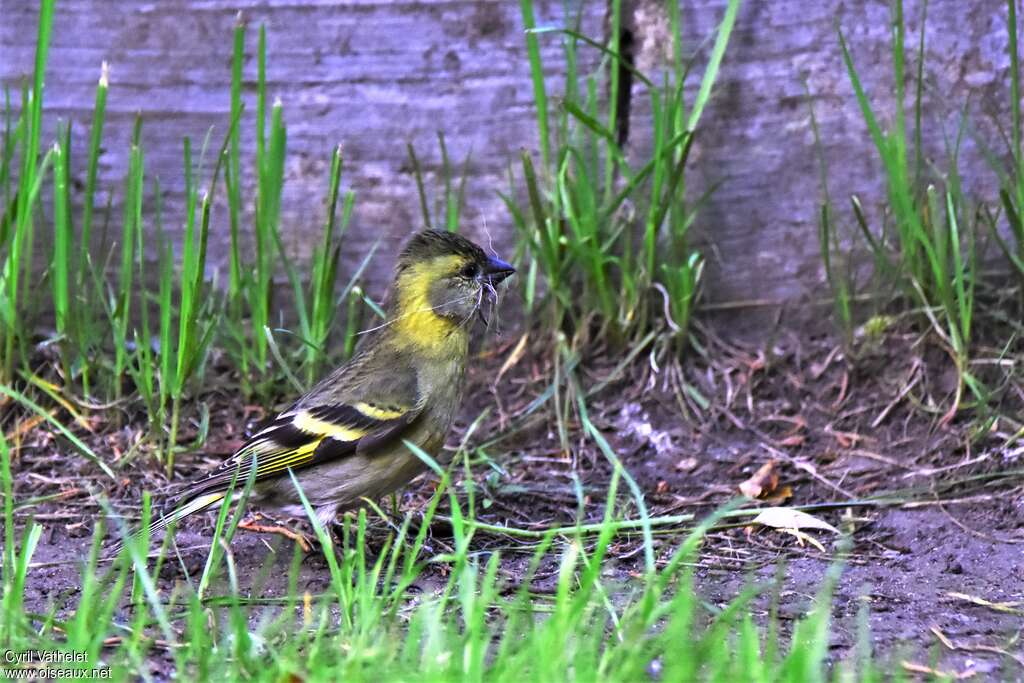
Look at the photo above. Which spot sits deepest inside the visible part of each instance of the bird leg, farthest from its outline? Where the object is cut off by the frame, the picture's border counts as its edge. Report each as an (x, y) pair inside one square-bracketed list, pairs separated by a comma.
[(279, 529)]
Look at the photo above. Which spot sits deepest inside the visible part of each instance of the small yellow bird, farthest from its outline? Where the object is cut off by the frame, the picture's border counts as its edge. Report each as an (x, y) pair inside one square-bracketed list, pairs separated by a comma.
[(344, 438)]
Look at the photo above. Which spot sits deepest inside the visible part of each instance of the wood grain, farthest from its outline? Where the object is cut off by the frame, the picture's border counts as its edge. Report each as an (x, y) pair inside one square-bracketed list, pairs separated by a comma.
[(372, 76)]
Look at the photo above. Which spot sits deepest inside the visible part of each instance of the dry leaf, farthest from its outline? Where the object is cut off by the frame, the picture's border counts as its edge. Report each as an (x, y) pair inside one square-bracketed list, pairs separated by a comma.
[(765, 480), (788, 518), (801, 537)]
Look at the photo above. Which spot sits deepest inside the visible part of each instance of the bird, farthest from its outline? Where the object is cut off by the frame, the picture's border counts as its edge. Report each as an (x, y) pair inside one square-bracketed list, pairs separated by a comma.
[(344, 439)]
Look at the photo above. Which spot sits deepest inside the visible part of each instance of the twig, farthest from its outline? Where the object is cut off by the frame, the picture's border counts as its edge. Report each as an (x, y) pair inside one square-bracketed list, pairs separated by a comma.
[(974, 648), (979, 534), (916, 377)]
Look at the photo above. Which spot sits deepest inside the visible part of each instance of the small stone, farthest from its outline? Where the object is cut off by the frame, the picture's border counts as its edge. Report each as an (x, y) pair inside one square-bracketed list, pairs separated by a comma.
[(978, 78)]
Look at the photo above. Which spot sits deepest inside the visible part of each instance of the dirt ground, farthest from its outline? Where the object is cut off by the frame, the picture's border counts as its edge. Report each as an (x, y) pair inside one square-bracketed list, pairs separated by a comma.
[(933, 508)]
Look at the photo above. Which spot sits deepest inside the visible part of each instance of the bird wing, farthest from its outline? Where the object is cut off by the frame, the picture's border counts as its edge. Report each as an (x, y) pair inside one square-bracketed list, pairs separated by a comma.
[(307, 436), (324, 425), (303, 436)]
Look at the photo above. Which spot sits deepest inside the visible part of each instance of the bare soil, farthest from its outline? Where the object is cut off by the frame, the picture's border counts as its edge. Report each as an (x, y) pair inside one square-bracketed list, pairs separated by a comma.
[(931, 506)]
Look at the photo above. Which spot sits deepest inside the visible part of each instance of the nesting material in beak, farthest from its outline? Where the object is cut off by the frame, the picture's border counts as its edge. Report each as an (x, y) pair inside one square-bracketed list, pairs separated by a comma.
[(494, 272)]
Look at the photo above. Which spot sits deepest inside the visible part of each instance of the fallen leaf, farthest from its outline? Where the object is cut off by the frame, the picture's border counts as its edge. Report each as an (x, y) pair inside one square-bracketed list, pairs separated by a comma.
[(801, 537), (788, 518), (765, 480)]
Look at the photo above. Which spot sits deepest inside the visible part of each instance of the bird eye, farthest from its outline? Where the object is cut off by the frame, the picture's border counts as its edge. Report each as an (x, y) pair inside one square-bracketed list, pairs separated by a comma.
[(470, 270)]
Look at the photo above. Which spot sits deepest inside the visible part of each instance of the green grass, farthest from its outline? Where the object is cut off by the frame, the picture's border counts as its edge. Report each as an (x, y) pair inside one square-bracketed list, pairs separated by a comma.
[(445, 211), (608, 250), (925, 248), (17, 231), (1012, 178), (127, 330), (370, 624), (608, 241)]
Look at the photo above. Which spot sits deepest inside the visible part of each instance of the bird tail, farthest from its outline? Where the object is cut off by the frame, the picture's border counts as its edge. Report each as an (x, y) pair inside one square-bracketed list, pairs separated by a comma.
[(197, 504)]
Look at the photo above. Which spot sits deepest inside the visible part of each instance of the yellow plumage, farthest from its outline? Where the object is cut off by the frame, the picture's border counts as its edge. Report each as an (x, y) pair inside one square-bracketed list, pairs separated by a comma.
[(307, 423)]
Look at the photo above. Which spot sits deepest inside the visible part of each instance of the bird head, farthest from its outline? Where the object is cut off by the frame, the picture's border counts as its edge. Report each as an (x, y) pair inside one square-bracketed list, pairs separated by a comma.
[(442, 281)]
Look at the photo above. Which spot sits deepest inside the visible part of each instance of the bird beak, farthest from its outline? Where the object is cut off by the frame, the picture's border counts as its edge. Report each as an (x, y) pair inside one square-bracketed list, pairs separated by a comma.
[(497, 270)]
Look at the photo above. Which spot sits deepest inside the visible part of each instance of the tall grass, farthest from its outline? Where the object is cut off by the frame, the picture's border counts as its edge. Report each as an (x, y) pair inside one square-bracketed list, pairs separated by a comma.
[(445, 211), (587, 203), (925, 248), (323, 305), (315, 298), (186, 337), (270, 152), (131, 234), (21, 151), (60, 266), (127, 330), (1012, 178), (837, 272)]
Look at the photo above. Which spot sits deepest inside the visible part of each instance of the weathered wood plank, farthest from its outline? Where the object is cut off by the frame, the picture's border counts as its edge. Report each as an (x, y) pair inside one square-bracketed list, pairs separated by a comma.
[(373, 75)]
